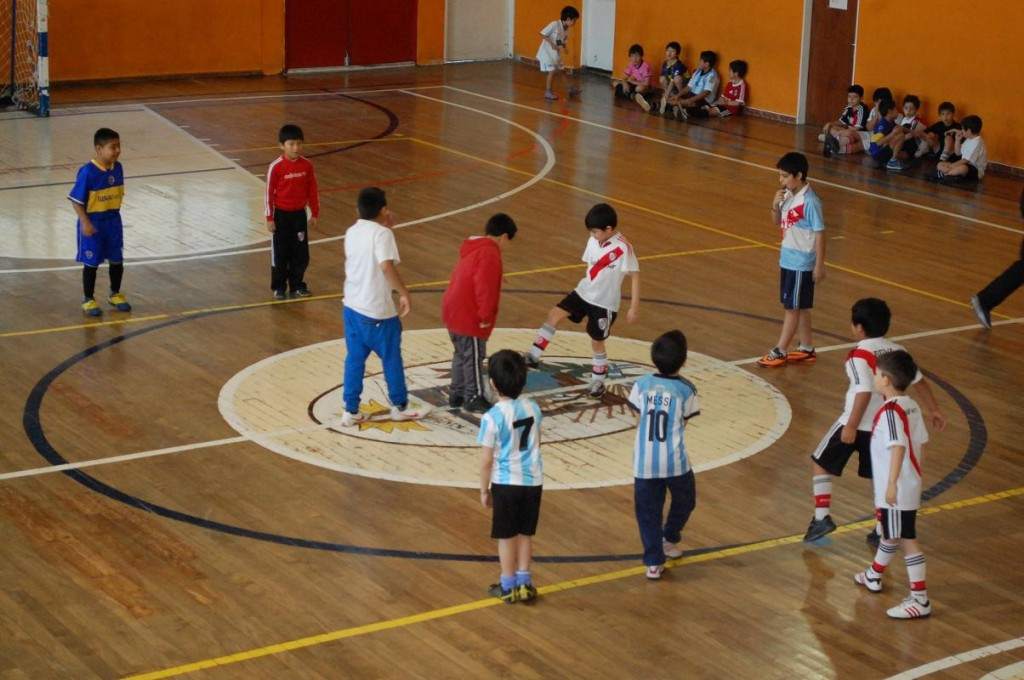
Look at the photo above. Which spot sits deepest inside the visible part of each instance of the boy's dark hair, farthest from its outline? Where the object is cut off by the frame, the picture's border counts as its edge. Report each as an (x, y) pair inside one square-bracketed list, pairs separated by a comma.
[(972, 123), (872, 315), (668, 352), (289, 132), (601, 216), (880, 94), (710, 57), (947, 106), (885, 106), (900, 368), (674, 46), (739, 67), (507, 369), (794, 163), (570, 12), (103, 136), (370, 202), (912, 99), (636, 48), (499, 224), (857, 90)]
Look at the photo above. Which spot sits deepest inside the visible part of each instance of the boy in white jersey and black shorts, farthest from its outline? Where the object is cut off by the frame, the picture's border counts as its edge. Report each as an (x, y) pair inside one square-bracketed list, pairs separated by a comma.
[(511, 474), (665, 401), (869, 322), (897, 438), (609, 258)]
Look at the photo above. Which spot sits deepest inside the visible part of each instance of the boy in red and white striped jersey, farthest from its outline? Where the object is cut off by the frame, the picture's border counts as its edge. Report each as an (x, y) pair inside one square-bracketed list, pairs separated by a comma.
[(291, 187), (609, 258), (734, 94), (897, 437)]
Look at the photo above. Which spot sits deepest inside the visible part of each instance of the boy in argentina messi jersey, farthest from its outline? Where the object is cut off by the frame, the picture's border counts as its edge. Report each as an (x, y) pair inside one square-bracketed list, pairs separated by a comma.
[(96, 198), (665, 402), (511, 474)]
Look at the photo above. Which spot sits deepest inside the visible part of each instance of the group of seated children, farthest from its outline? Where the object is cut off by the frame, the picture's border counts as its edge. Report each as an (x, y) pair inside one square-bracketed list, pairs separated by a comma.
[(681, 95), (894, 138)]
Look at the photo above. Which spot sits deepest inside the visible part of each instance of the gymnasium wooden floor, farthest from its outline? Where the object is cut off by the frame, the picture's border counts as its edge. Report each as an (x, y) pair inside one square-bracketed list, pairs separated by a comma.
[(213, 555)]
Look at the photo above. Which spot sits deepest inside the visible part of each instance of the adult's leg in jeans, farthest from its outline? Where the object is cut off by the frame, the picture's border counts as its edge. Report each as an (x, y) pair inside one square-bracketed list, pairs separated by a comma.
[(648, 502), (356, 351), (684, 500), (1002, 286)]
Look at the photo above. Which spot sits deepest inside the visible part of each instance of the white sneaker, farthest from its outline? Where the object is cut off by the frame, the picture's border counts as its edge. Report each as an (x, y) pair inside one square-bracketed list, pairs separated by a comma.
[(410, 412), (872, 584), (642, 101), (352, 419), (910, 608), (654, 573), (821, 137), (596, 389), (672, 550)]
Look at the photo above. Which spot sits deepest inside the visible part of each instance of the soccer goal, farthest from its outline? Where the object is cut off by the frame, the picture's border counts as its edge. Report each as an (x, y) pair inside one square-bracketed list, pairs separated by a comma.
[(24, 71)]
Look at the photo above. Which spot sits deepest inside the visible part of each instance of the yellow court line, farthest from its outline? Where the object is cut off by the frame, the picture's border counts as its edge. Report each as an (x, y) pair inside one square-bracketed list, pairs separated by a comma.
[(699, 225), (446, 612), (333, 296)]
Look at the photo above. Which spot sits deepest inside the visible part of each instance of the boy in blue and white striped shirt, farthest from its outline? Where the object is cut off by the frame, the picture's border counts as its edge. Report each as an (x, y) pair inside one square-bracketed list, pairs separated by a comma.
[(665, 402), (511, 474)]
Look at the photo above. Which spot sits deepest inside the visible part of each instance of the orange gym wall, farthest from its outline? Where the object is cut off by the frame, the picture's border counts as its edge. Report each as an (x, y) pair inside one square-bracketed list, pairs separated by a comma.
[(133, 38), (430, 18), (967, 52), (534, 15), (769, 41)]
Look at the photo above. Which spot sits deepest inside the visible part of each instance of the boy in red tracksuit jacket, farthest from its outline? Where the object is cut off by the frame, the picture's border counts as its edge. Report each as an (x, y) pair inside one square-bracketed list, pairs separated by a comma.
[(469, 309), (291, 186)]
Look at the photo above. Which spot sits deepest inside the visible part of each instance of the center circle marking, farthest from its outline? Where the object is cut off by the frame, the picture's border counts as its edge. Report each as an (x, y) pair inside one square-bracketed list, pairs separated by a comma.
[(290, 403)]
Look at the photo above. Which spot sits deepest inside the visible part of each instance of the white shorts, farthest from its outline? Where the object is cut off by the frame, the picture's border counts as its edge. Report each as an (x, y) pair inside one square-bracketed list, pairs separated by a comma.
[(548, 66)]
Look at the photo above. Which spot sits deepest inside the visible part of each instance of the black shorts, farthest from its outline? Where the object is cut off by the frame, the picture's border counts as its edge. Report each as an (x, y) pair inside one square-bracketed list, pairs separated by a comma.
[(796, 289), (896, 523), (516, 510), (909, 147), (832, 454), (599, 319), (972, 173), (881, 155)]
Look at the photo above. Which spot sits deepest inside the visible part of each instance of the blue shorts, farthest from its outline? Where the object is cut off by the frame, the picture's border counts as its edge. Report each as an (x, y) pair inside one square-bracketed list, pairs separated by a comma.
[(106, 244), (796, 289)]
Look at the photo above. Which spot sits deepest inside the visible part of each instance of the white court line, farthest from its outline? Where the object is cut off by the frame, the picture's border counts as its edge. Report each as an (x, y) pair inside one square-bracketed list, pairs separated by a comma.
[(549, 163), (751, 164), (231, 440), (898, 338), (958, 659)]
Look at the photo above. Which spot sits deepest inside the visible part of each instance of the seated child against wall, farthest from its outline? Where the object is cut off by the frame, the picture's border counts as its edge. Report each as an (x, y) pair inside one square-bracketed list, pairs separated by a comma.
[(734, 95), (883, 134), (965, 156), (909, 130), (673, 76), (934, 140), (637, 81), (839, 135)]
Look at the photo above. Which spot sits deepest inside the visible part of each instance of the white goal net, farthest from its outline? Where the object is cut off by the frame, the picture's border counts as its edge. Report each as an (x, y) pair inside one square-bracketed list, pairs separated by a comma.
[(24, 68)]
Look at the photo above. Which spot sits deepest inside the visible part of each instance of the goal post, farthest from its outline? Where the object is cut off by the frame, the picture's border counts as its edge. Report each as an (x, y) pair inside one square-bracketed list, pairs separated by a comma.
[(24, 55)]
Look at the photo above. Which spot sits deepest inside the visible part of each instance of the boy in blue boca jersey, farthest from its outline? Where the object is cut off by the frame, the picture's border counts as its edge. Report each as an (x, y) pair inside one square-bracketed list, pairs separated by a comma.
[(96, 198), (665, 402), (511, 474)]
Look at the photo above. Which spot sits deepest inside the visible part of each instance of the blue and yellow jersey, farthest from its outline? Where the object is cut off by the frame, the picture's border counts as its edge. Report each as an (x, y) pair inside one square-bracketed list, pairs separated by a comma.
[(101, 191)]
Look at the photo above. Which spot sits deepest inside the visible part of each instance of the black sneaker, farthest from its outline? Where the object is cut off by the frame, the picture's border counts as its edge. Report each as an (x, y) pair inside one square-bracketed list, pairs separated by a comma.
[(510, 596), (531, 361), (456, 401), (477, 405), (832, 145), (984, 317), (280, 295), (872, 538), (819, 528), (301, 292), (526, 592)]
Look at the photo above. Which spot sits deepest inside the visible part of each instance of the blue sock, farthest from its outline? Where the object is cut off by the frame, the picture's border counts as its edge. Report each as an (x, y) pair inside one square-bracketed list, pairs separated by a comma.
[(508, 582), (523, 578)]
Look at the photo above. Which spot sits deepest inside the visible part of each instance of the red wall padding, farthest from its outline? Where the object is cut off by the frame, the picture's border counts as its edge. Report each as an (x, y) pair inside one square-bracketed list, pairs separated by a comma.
[(383, 31), (316, 32)]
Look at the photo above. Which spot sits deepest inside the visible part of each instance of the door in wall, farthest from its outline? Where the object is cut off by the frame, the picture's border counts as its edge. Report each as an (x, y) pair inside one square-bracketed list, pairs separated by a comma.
[(830, 58), (477, 30), (381, 32), (315, 33), (598, 33)]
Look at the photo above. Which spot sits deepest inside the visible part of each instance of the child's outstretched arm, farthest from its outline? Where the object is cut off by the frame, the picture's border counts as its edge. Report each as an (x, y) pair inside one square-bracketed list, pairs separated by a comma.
[(634, 298)]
